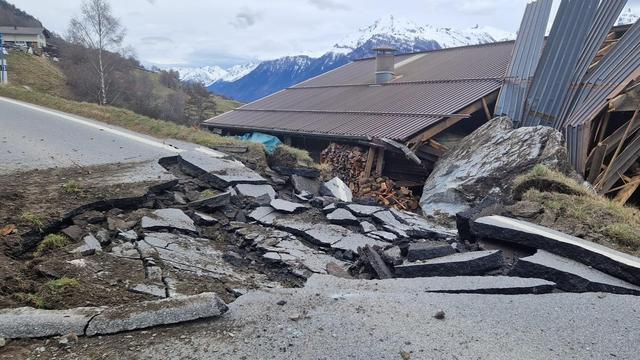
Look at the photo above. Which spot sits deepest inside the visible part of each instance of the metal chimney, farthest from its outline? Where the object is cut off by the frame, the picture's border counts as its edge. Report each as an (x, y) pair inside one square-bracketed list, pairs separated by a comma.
[(385, 64)]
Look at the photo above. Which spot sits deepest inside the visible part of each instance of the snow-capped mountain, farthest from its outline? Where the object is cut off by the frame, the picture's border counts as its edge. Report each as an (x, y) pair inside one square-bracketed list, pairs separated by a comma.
[(627, 17), (210, 74), (405, 36)]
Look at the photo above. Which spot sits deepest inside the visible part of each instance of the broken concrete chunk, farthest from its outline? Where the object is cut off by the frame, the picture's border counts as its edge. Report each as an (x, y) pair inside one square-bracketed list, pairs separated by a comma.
[(471, 263), (388, 220), (305, 185), (90, 246), (254, 191), (384, 235), (287, 206), (329, 208), (342, 217), (74, 232), (26, 322), (371, 256), (353, 241), (323, 234), (429, 250), (103, 237), (367, 227), (203, 219), (168, 219), (570, 275), (307, 172), (126, 250), (364, 210), (159, 312), (220, 173), (337, 189), (129, 236), (114, 224), (263, 214), (211, 202), (610, 261), (153, 290)]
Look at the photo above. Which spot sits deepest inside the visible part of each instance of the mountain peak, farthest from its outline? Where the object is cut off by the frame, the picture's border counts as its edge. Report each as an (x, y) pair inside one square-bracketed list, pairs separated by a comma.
[(627, 17)]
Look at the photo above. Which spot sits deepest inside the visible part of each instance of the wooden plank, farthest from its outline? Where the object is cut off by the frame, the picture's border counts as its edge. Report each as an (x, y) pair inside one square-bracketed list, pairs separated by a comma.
[(367, 168), (627, 191), (602, 129), (380, 162), (596, 162), (441, 126), (487, 113), (601, 185)]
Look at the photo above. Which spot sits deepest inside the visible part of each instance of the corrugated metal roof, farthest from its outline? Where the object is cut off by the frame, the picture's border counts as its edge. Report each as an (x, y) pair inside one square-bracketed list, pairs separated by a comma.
[(429, 86), (524, 62)]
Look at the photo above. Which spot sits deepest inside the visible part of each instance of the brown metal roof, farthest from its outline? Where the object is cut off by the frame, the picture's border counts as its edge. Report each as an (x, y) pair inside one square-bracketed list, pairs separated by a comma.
[(428, 87)]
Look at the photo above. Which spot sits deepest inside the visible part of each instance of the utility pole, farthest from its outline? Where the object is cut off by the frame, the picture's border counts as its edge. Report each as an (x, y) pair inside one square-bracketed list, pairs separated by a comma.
[(4, 78)]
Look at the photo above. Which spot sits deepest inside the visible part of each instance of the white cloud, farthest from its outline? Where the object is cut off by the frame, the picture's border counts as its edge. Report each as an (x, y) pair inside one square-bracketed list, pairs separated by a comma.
[(222, 32)]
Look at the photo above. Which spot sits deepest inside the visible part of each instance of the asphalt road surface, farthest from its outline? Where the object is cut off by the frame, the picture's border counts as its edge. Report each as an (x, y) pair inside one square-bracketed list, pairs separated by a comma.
[(33, 137)]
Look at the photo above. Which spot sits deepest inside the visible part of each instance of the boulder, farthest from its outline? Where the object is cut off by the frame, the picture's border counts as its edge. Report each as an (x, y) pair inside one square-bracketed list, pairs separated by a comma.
[(338, 189), (487, 161)]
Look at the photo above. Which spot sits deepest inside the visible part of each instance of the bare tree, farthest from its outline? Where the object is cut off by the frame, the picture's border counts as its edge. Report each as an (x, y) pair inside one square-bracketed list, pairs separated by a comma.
[(96, 28)]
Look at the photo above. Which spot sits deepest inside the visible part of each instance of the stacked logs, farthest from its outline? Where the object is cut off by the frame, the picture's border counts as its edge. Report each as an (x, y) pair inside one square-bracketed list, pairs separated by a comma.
[(349, 162)]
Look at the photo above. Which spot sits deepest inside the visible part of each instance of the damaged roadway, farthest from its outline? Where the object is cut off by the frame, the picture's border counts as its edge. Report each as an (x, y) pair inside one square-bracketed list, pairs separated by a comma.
[(298, 273)]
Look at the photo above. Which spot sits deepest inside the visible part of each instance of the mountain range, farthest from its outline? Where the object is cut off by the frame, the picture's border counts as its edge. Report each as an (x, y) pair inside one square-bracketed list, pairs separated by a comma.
[(250, 82)]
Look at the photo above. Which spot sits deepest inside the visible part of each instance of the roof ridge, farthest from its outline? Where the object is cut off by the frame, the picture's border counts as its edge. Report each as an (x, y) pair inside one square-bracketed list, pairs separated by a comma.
[(445, 49)]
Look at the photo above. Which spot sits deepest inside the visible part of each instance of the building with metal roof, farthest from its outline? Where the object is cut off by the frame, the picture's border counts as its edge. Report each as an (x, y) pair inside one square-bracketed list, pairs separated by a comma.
[(405, 100)]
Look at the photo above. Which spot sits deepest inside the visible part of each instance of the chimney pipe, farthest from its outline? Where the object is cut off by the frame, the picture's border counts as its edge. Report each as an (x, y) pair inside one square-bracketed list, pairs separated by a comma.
[(385, 64)]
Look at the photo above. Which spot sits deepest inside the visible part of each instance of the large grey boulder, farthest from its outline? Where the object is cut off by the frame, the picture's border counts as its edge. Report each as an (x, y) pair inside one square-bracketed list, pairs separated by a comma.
[(487, 161)]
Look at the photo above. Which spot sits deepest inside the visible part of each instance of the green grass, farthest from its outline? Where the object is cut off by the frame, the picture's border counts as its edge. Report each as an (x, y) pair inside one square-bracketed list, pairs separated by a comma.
[(50, 242), (542, 172), (207, 193), (598, 215), (33, 219), (38, 73), (286, 155), (71, 187), (32, 300), (61, 283)]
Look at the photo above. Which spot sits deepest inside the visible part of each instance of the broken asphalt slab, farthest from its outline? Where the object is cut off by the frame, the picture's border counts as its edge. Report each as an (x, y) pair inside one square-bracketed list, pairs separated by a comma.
[(610, 261), (250, 190), (429, 250), (505, 285), (470, 263), (571, 275), (287, 206), (168, 219), (32, 323), (218, 172)]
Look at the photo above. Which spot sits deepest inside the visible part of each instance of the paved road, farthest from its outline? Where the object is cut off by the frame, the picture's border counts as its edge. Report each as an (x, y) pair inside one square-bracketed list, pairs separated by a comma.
[(33, 137)]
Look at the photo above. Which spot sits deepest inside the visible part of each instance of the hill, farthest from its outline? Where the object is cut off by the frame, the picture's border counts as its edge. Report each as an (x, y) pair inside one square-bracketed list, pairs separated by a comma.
[(37, 73), (12, 16)]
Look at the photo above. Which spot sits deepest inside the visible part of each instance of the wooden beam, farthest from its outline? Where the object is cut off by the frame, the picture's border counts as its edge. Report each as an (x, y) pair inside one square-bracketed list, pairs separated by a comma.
[(487, 113), (604, 124), (597, 159), (442, 125), (627, 190), (379, 162), (367, 168), (617, 152)]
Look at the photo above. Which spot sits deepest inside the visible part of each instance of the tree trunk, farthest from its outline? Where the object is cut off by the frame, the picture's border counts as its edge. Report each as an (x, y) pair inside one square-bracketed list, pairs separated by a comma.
[(103, 89)]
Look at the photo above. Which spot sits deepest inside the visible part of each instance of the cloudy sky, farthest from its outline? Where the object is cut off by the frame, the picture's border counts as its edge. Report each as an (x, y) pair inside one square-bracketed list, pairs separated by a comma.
[(217, 32)]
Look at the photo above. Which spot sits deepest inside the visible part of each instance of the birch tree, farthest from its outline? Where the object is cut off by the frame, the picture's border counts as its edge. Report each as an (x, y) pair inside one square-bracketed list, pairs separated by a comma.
[(96, 28)]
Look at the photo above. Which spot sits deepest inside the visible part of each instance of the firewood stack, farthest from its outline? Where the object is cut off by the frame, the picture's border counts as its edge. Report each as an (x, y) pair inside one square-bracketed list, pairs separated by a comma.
[(349, 162)]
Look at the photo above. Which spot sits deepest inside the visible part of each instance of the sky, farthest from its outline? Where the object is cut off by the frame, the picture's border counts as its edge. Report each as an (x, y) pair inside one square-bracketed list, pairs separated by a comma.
[(224, 33)]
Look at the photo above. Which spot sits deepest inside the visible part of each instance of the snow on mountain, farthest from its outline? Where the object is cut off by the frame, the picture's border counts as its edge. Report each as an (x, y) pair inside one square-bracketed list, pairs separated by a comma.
[(210, 74), (405, 36), (405, 31), (627, 17)]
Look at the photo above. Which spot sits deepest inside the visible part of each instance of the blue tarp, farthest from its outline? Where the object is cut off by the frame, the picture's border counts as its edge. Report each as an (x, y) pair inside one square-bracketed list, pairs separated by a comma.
[(270, 142)]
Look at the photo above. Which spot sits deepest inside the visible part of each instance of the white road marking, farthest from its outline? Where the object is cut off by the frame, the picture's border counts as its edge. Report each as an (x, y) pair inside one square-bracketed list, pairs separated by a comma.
[(104, 128)]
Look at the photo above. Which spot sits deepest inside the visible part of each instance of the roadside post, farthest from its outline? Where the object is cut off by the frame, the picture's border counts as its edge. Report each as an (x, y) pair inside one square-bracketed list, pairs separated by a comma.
[(4, 78)]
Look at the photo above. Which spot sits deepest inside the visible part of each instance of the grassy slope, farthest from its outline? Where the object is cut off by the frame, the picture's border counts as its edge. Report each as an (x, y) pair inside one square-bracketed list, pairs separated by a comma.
[(579, 211), (37, 73)]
